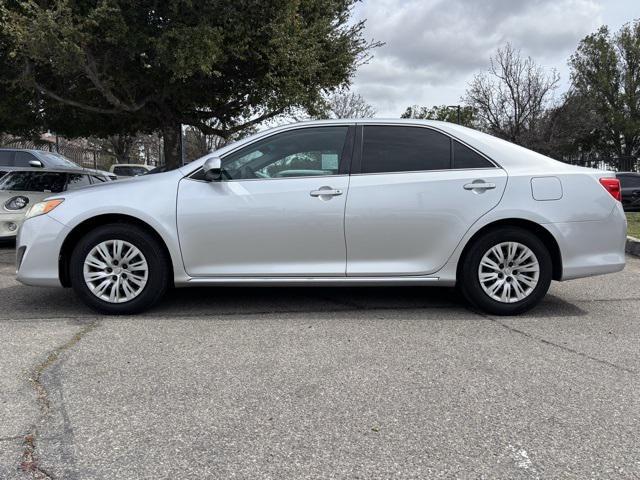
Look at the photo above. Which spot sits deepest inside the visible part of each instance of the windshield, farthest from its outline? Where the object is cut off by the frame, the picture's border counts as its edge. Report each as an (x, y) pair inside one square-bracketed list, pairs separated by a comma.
[(53, 182), (57, 160)]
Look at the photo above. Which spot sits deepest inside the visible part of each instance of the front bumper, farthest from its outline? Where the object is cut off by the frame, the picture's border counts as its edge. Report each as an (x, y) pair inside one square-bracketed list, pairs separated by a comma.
[(10, 224), (38, 245)]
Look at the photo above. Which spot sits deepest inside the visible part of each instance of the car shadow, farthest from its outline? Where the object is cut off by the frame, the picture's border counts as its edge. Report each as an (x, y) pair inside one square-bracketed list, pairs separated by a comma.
[(42, 304)]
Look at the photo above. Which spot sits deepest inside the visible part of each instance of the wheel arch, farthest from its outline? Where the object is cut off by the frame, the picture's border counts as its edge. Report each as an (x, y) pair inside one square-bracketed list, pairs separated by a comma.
[(538, 230), (91, 223)]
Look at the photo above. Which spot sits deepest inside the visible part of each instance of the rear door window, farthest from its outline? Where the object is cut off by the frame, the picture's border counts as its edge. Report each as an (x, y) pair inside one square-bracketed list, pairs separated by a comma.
[(404, 149)]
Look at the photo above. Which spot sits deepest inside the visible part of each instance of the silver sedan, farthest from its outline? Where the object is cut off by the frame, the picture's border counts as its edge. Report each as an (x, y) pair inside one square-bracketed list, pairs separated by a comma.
[(371, 202)]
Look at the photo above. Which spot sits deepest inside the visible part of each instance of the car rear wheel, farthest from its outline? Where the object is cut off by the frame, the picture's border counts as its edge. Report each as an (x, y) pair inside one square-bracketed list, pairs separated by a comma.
[(119, 269), (506, 271)]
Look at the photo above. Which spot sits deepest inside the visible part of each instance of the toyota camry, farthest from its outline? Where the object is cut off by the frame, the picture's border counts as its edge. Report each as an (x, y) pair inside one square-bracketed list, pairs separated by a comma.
[(371, 202)]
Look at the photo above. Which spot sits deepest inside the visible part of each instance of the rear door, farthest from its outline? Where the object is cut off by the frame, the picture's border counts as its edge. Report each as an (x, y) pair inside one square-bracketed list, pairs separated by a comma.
[(413, 194)]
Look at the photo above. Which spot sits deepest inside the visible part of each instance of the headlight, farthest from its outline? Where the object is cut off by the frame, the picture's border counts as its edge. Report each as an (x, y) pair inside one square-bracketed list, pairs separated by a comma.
[(16, 203), (43, 207)]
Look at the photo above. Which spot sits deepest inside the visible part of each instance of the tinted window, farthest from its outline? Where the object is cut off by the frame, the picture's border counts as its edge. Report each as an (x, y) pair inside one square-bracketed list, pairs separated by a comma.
[(34, 181), (298, 153), (77, 180), (6, 158), (22, 159), (129, 171), (464, 157), (404, 149), (629, 181)]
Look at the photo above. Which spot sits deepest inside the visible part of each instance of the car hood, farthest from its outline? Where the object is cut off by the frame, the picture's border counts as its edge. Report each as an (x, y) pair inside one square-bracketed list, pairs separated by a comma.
[(121, 190)]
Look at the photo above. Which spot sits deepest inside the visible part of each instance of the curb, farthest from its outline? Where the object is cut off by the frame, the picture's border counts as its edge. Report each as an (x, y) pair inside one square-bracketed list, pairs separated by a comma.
[(633, 246)]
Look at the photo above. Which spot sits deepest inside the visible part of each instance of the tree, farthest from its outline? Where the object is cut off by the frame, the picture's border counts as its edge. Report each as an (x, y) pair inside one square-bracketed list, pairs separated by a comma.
[(606, 69), (569, 129), (121, 147), (198, 144), (346, 104), (125, 66), (512, 96), (443, 113)]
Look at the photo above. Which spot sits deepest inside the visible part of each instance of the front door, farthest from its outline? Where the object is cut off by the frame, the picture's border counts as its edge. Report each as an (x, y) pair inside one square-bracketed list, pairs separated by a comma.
[(413, 195), (279, 210)]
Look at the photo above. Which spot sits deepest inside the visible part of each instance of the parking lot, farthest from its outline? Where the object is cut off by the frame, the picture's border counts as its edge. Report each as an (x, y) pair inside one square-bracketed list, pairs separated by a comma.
[(321, 383)]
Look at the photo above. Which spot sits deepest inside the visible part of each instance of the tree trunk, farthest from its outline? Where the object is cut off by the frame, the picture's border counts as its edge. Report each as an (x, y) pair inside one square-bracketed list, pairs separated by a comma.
[(172, 147)]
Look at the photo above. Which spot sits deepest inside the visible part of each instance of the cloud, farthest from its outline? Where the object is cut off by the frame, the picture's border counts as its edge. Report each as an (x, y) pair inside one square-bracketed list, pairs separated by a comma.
[(433, 47)]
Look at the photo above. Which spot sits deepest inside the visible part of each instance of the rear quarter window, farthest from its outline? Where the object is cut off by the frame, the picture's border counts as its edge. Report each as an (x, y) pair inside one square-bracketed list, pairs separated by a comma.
[(465, 158)]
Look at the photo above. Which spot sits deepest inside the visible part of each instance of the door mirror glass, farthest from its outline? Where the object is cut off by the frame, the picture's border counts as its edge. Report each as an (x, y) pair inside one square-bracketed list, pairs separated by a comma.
[(35, 163), (212, 169)]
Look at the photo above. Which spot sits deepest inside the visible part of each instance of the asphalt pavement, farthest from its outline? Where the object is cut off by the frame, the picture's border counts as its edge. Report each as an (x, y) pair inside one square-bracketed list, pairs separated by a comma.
[(294, 383)]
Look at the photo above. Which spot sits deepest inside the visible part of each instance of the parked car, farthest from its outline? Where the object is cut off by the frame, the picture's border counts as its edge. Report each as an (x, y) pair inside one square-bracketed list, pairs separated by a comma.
[(18, 158), (630, 184), (129, 169), (337, 202), (20, 189)]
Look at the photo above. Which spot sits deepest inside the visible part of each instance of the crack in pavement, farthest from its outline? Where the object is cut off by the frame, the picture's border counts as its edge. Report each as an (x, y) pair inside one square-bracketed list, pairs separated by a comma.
[(30, 463), (561, 347)]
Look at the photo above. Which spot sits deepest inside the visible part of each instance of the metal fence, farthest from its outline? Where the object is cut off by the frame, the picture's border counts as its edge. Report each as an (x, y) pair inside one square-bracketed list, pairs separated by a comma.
[(617, 164), (86, 157)]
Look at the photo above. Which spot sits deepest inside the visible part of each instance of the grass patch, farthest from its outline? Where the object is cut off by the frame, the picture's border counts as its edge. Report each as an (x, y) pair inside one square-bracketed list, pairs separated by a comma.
[(633, 219)]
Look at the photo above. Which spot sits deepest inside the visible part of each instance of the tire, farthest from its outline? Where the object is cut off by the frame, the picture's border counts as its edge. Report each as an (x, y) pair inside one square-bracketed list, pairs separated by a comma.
[(136, 289), (526, 287)]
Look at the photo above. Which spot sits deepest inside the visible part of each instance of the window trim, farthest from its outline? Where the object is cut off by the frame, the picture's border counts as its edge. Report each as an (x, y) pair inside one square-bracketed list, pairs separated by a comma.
[(346, 157), (357, 163)]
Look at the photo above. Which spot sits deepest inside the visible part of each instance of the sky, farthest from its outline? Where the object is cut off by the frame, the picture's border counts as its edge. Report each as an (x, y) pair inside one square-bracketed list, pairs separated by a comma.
[(434, 47)]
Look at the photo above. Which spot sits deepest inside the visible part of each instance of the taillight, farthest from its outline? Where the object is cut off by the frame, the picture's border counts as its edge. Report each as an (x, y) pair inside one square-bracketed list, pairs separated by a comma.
[(612, 185)]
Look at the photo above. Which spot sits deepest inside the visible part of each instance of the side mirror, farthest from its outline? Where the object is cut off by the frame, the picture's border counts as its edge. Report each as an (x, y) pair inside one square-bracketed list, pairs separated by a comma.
[(212, 169), (35, 163)]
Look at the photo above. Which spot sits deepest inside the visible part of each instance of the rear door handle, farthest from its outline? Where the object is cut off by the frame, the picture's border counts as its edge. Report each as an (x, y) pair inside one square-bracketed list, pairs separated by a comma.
[(480, 186), (328, 192)]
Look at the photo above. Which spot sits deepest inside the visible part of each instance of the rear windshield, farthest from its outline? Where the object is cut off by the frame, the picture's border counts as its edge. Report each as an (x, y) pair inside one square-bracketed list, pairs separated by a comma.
[(53, 182), (129, 171)]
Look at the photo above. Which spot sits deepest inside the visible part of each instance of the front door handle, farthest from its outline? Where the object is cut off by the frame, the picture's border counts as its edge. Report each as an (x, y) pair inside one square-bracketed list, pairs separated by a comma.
[(479, 185), (325, 192)]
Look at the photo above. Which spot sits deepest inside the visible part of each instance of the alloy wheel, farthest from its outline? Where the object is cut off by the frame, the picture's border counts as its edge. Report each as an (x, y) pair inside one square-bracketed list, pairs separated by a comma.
[(509, 272), (115, 271)]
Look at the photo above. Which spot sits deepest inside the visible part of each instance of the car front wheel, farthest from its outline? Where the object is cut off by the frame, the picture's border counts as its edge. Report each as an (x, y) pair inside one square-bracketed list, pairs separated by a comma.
[(507, 271), (119, 269)]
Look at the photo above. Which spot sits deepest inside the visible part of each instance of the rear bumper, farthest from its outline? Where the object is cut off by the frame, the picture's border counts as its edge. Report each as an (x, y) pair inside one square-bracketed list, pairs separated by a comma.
[(38, 245), (592, 248)]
